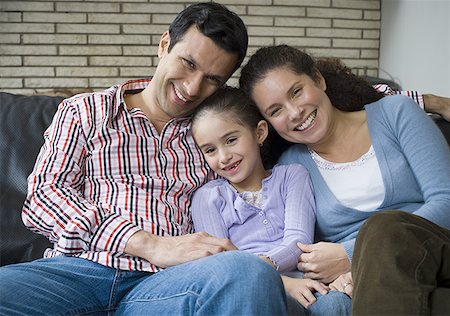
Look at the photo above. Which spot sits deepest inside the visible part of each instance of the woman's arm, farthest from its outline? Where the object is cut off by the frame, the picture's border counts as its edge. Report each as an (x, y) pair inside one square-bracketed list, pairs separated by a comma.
[(428, 155)]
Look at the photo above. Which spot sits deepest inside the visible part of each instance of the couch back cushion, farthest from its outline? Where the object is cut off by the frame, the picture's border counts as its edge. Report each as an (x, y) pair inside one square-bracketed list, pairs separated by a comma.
[(23, 120)]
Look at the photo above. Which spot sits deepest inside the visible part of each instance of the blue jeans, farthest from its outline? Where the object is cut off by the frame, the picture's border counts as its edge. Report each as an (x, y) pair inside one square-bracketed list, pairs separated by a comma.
[(334, 303), (230, 283)]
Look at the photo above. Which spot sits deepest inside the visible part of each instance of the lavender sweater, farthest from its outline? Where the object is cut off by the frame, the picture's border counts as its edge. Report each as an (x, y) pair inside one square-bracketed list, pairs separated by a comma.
[(287, 215)]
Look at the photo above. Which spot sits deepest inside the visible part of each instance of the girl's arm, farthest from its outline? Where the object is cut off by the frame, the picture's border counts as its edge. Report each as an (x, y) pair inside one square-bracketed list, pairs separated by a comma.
[(205, 208), (299, 217)]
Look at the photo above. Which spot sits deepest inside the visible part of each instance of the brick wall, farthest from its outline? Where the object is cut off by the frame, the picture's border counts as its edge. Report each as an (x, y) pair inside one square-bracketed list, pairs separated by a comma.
[(51, 45)]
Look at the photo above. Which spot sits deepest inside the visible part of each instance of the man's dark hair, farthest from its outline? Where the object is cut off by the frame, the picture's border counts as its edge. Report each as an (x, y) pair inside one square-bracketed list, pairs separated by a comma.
[(224, 27)]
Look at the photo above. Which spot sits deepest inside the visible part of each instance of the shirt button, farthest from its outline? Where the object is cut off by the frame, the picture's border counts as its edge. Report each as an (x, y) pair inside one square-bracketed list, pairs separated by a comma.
[(265, 222), (261, 213)]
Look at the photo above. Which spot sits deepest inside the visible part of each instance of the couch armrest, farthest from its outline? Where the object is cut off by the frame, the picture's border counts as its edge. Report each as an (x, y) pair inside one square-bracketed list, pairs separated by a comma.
[(23, 121)]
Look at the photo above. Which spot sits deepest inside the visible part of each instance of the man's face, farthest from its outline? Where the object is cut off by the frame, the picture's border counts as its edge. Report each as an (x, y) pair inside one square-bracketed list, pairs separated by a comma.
[(193, 70)]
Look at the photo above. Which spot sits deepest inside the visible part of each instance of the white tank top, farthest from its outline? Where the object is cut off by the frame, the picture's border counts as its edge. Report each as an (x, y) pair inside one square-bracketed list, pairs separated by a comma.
[(357, 184)]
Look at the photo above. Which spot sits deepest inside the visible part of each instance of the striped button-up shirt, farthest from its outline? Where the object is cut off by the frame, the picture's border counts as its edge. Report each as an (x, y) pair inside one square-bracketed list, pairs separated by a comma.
[(105, 173), (387, 90)]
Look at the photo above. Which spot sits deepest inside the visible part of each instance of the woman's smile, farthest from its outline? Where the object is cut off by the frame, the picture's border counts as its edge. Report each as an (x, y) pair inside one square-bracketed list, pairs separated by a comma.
[(308, 123)]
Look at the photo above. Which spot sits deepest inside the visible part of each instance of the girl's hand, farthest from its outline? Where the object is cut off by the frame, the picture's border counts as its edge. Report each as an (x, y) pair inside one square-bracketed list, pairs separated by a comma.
[(344, 284), (323, 261), (302, 289)]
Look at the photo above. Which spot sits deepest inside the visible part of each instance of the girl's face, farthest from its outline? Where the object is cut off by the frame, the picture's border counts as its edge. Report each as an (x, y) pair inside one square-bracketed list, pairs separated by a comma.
[(296, 105), (231, 149)]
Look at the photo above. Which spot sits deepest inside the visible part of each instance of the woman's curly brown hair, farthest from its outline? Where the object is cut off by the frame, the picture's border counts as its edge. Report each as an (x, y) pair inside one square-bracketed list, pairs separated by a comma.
[(347, 91)]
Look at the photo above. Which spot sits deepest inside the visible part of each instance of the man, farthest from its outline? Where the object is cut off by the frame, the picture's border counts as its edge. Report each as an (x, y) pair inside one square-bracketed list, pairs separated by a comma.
[(111, 189)]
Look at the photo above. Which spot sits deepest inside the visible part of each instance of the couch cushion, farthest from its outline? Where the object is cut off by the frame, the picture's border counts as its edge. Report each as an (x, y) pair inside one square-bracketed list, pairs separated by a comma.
[(23, 121), (443, 125)]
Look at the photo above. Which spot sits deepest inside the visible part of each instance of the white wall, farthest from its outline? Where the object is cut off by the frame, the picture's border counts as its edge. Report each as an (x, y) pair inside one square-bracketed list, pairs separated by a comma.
[(415, 44)]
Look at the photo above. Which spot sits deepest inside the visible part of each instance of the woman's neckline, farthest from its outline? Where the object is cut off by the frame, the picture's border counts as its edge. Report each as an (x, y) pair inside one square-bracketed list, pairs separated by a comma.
[(324, 164)]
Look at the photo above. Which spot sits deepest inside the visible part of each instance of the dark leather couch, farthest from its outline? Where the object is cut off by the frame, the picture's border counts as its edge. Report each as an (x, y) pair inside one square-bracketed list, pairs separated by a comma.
[(23, 120)]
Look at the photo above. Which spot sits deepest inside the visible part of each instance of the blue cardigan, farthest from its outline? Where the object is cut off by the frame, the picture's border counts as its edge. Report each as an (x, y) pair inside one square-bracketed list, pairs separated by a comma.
[(414, 160)]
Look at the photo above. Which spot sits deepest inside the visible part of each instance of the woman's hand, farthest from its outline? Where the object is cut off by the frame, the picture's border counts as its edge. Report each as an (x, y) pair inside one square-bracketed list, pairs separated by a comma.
[(302, 289), (344, 284), (323, 261)]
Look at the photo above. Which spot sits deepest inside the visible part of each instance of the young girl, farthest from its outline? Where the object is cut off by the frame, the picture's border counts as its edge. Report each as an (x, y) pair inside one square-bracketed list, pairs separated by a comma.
[(265, 212)]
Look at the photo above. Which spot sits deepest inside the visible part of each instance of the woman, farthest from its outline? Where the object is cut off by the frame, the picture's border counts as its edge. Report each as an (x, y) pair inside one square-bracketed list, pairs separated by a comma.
[(364, 154)]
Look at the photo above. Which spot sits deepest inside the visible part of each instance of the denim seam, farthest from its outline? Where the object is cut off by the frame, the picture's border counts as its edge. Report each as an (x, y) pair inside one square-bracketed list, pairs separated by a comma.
[(161, 298), (113, 290), (90, 311), (86, 311)]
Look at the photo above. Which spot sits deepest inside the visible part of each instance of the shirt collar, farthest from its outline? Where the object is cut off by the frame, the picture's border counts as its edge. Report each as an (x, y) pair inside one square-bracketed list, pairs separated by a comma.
[(135, 86)]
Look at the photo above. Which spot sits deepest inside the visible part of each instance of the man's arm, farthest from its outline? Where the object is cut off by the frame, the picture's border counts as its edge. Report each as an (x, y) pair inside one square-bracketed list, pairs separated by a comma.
[(429, 102), (169, 251), (55, 206), (437, 104)]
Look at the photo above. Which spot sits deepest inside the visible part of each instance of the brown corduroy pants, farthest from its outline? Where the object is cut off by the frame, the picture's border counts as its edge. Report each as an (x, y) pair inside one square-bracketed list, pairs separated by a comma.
[(401, 266)]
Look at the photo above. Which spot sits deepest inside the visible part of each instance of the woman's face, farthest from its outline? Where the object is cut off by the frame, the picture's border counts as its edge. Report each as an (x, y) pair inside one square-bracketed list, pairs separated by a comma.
[(296, 105)]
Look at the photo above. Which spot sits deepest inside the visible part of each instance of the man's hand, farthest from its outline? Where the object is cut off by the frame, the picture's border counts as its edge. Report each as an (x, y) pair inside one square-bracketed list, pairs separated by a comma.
[(173, 250), (323, 261), (437, 104)]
